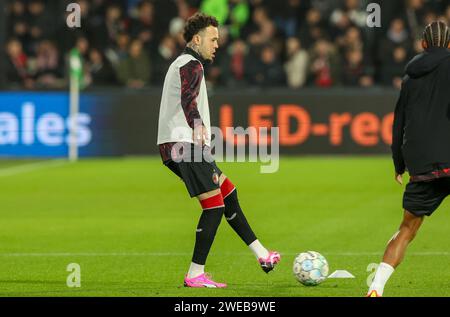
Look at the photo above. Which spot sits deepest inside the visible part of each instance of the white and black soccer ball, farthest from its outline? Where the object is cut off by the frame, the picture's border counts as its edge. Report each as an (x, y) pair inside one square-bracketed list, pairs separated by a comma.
[(310, 268)]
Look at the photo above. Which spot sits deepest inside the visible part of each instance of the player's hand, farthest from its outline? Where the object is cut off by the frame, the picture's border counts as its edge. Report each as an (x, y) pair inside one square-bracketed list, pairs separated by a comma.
[(399, 178)]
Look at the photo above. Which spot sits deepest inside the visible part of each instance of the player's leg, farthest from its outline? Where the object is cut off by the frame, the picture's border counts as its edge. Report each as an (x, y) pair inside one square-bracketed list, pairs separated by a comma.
[(420, 199), (237, 220), (213, 208), (395, 252), (396, 247), (202, 182)]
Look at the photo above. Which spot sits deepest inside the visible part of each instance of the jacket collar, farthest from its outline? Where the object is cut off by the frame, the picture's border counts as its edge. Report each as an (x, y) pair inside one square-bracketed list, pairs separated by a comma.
[(188, 50)]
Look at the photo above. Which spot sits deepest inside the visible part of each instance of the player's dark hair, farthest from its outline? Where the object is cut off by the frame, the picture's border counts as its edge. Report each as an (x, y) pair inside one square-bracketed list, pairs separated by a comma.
[(437, 34), (197, 23)]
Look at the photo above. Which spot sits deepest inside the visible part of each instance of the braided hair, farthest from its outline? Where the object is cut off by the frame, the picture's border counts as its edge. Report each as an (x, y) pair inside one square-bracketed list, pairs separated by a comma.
[(436, 34)]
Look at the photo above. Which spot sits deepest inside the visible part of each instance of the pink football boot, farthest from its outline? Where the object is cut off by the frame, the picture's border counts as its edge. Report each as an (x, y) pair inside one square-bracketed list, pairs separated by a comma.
[(203, 280), (269, 263)]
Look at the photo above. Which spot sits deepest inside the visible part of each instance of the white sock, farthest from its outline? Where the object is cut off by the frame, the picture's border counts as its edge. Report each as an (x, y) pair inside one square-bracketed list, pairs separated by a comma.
[(195, 270), (382, 275), (258, 249)]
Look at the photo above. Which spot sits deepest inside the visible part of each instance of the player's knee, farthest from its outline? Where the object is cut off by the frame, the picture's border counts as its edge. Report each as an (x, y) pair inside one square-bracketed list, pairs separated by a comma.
[(233, 212), (227, 188), (211, 217), (411, 224), (409, 230)]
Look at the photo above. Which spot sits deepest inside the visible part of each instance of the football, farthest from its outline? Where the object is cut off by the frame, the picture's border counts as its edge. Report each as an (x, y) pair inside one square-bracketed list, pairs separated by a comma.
[(310, 268)]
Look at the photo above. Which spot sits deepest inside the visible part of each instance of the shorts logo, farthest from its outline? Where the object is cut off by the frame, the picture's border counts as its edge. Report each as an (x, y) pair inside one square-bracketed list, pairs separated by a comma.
[(215, 178)]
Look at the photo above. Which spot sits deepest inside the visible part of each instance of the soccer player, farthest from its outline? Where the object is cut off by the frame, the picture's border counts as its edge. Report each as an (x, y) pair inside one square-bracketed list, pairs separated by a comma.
[(421, 144), (184, 120)]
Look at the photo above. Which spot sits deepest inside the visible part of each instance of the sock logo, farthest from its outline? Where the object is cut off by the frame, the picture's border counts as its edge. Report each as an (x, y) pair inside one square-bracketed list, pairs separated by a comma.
[(232, 217)]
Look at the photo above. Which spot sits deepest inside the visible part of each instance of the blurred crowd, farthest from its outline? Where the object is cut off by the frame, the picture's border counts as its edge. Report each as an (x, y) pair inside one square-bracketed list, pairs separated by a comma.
[(264, 43)]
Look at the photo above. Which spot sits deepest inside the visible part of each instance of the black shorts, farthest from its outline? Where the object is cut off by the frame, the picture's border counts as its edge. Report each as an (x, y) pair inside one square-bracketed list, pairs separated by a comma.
[(423, 198), (199, 177)]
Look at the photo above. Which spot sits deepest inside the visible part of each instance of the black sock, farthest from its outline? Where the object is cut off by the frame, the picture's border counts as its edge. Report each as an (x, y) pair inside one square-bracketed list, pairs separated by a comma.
[(206, 232), (236, 218)]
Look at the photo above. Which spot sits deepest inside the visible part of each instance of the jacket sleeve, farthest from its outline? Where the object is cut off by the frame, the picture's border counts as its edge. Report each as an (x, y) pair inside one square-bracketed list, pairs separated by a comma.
[(191, 76), (398, 131)]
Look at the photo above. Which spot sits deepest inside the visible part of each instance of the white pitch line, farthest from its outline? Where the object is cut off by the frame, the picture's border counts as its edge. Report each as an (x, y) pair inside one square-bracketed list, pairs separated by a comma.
[(150, 254), (24, 168)]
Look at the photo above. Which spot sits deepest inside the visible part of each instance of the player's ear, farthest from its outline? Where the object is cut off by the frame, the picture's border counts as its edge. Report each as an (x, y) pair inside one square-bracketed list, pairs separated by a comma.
[(196, 39), (424, 44)]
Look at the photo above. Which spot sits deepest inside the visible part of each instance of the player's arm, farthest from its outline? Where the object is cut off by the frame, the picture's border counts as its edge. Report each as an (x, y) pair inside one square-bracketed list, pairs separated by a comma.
[(191, 76), (397, 135)]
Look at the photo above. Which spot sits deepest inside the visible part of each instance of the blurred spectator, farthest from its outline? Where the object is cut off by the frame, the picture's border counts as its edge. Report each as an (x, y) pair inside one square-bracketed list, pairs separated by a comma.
[(16, 12), (47, 71), (82, 48), (325, 7), (393, 69), (251, 26), (119, 50), (107, 32), (88, 20), (165, 10), (176, 25), (98, 9), (82, 45), (397, 35), (313, 29), (342, 18), (355, 71), (325, 64), (428, 17), (234, 64), (351, 13), (352, 40), (40, 25), (267, 71), (16, 65), (100, 71), (414, 14), (166, 54), (261, 30), (17, 20), (144, 26), (296, 66), (134, 71), (213, 71), (20, 32), (286, 15)]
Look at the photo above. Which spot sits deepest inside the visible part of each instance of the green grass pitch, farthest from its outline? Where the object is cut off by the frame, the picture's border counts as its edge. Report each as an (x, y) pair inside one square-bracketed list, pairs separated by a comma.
[(130, 225)]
